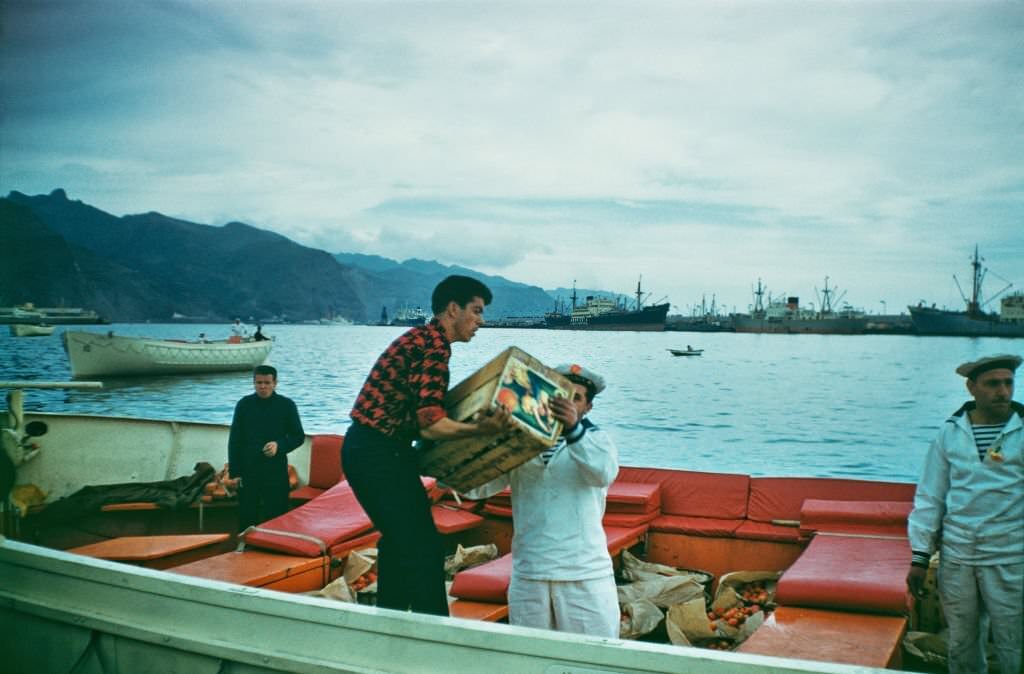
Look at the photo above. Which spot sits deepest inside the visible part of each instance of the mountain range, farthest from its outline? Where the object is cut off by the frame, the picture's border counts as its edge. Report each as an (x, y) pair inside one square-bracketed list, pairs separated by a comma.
[(55, 251)]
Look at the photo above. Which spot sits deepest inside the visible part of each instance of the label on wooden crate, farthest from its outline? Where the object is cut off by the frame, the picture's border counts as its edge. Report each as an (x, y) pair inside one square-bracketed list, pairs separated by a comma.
[(522, 384)]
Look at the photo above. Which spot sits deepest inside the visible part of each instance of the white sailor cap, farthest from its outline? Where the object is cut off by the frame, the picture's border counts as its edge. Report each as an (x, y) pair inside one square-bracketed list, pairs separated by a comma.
[(581, 375), (973, 368)]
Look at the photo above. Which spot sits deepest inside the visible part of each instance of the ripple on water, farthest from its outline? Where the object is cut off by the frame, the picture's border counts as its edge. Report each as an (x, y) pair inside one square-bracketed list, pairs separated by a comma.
[(755, 404)]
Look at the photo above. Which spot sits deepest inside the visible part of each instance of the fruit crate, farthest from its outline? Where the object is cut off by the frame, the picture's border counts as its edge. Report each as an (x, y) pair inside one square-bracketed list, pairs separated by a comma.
[(524, 385)]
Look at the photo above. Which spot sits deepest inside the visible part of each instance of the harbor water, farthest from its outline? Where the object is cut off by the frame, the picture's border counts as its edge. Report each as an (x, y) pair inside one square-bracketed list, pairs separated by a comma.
[(785, 405)]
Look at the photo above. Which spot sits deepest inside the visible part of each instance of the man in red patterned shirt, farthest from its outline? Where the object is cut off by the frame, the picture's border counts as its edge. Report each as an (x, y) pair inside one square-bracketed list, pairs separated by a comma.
[(402, 400)]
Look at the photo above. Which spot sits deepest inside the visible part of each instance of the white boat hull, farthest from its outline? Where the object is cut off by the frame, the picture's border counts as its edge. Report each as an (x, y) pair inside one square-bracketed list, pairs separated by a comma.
[(59, 610), (123, 449), (30, 330), (102, 355)]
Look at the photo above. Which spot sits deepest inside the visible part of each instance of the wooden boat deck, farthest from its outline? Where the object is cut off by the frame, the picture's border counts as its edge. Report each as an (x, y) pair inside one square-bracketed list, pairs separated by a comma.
[(156, 552), (831, 636)]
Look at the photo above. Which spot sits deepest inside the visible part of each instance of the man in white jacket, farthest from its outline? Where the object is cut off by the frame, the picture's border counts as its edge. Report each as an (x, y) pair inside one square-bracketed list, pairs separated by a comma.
[(562, 577), (970, 505)]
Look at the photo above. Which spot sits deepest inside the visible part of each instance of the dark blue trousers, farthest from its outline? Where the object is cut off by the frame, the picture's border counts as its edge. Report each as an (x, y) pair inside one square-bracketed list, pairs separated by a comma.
[(410, 555)]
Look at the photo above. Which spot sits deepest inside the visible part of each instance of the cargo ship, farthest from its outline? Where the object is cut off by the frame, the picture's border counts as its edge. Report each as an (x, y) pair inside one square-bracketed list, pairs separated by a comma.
[(410, 317), (602, 313), (787, 317), (29, 313), (975, 321)]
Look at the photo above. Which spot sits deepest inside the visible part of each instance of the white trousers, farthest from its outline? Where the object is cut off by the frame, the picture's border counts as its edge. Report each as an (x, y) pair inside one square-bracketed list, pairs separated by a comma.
[(969, 594), (583, 606)]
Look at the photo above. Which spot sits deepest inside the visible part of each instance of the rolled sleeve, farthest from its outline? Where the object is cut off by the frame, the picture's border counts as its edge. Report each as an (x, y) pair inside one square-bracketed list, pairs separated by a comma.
[(431, 385)]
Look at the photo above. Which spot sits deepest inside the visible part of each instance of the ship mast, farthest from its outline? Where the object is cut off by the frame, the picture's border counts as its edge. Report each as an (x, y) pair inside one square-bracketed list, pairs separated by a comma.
[(977, 274), (972, 306), (758, 308)]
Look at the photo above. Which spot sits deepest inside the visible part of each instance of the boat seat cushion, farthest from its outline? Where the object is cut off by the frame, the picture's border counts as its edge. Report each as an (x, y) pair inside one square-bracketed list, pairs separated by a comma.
[(633, 497), (324, 466), (695, 493), (488, 582), (620, 538), (780, 498), (696, 526), (450, 519), (320, 524), (628, 520), (857, 573), (766, 531), (497, 510), (629, 504), (312, 528), (887, 518), (305, 493)]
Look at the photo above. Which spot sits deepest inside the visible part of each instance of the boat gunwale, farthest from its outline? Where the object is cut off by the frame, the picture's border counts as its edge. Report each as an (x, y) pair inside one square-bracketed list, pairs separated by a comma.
[(205, 598)]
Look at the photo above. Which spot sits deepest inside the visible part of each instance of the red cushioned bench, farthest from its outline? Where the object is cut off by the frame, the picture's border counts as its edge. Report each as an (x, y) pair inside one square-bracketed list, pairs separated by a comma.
[(631, 504), (879, 518), (779, 499), (324, 467), (698, 503), (628, 504), (488, 582), (450, 518), (851, 572), (311, 529), (320, 525)]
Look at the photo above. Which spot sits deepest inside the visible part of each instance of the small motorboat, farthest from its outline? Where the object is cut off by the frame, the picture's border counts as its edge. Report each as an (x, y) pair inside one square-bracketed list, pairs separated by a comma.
[(688, 351)]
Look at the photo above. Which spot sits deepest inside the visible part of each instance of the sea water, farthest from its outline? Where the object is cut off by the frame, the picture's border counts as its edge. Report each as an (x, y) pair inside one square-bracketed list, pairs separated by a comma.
[(786, 405)]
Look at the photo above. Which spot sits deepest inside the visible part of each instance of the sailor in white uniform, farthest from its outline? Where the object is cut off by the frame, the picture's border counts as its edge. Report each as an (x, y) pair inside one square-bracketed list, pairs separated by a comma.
[(970, 505), (562, 576)]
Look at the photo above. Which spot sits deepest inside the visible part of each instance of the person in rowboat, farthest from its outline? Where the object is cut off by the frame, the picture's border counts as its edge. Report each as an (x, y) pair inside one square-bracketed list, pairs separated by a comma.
[(562, 577), (400, 402), (264, 429), (970, 505)]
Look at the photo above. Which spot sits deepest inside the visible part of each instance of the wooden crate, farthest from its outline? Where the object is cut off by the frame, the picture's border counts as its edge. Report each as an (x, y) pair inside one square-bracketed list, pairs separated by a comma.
[(522, 383)]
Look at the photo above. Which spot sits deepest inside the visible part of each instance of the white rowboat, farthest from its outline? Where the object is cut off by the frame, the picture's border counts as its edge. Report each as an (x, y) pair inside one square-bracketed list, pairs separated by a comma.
[(30, 330), (93, 354)]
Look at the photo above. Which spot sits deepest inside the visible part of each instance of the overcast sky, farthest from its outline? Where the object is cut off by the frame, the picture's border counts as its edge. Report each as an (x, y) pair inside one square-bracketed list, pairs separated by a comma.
[(702, 145)]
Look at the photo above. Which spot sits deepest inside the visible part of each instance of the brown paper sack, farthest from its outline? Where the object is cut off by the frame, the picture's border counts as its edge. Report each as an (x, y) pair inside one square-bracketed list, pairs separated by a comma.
[(688, 623), (338, 590), (642, 616), (637, 569), (663, 591), (729, 585), (357, 563), (466, 558)]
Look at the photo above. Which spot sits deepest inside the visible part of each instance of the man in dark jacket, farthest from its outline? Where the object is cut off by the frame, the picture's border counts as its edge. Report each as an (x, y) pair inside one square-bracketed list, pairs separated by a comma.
[(264, 429)]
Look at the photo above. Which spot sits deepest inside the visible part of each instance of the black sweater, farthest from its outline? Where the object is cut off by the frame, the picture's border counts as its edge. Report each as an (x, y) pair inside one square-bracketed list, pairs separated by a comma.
[(256, 422)]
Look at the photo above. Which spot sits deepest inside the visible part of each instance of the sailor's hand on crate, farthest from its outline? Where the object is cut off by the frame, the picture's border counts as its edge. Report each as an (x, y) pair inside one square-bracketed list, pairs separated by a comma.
[(497, 420), (915, 581), (563, 410)]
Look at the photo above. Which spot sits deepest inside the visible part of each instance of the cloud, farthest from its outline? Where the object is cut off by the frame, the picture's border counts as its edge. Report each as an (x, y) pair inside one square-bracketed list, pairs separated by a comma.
[(703, 143)]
